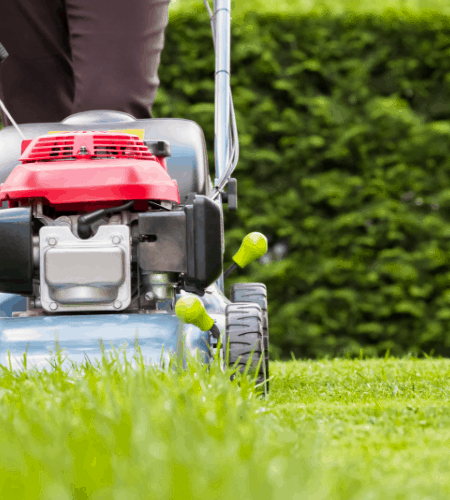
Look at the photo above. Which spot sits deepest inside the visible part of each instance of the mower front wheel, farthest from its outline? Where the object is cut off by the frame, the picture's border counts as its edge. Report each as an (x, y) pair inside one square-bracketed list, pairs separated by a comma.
[(251, 293), (244, 339)]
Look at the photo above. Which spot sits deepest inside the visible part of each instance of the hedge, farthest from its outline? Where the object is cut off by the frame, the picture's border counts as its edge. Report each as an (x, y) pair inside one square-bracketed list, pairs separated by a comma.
[(344, 128)]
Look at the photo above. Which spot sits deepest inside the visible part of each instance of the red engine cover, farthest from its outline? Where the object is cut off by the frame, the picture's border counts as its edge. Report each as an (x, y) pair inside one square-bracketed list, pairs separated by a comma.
[(85, 167)]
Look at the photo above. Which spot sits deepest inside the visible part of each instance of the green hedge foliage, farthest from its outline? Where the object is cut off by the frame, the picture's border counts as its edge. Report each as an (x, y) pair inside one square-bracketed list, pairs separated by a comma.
[(344, 128), (345, 139)]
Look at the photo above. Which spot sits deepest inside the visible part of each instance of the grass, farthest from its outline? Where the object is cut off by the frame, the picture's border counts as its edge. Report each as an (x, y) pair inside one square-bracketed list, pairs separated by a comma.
[(341, 429)]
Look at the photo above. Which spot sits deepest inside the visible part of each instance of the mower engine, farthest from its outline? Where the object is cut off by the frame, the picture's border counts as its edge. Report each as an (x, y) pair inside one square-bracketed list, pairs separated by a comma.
[(95, 224)]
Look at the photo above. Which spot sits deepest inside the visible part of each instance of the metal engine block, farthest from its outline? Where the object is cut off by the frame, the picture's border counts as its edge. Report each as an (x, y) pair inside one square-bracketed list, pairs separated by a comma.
[(85, 275)]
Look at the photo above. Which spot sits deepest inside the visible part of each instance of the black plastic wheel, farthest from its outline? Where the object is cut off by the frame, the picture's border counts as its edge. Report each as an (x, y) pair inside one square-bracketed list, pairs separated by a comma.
[(255, 293), (244, 336)]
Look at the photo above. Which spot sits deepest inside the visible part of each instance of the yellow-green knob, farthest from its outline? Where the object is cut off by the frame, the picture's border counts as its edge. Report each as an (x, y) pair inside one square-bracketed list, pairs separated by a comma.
[(253, 247), (191, 310)]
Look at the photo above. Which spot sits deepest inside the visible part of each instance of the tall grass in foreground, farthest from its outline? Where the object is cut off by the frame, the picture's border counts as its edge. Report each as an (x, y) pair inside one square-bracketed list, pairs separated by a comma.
[(112, 431), (336, 429)]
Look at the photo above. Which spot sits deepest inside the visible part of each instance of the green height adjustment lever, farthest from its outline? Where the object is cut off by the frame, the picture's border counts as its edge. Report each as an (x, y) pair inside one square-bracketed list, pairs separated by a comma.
[(253, 247), (190, 309)]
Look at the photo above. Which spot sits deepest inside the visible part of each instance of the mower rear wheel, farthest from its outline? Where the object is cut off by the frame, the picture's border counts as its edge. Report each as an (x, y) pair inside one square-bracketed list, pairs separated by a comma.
[(255, 292), (244, 339)]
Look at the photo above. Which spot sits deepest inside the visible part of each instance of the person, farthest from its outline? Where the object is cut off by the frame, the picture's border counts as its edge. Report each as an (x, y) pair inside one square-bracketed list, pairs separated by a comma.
[(67, 56)]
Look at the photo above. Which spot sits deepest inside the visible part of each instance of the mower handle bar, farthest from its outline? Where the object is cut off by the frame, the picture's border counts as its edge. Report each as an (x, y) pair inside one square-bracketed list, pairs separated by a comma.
[(222, 85), (3, 53)]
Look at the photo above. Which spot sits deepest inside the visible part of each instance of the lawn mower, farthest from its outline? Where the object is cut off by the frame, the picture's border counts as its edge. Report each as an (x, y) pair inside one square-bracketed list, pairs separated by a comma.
[(111, 234)]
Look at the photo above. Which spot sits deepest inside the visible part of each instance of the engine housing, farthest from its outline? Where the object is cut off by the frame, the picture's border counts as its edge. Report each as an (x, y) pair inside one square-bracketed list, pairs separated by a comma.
[(73, 171), (85, 275), (133, 260)]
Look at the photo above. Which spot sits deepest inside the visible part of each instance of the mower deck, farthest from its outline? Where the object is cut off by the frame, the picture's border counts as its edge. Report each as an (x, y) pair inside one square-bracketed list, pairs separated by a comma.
[(86, 336)]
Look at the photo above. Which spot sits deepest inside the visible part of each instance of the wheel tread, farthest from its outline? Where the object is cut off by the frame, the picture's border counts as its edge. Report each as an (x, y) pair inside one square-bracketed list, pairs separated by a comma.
[(250, 294)]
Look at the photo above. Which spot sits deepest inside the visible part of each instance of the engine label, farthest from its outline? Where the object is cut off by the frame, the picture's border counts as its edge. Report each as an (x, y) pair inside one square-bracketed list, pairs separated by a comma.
[(132, 131)]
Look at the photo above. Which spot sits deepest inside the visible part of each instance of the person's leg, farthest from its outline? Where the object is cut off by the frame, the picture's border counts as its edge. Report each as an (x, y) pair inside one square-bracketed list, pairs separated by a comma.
[(116, 49), (36, 80)]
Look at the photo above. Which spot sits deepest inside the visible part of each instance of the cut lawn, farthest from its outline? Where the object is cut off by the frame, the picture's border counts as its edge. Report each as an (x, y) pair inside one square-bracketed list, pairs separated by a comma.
[(344, 429)]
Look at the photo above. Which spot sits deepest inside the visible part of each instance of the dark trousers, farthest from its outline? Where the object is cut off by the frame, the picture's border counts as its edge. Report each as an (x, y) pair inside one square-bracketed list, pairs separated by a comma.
[(67, 56)]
